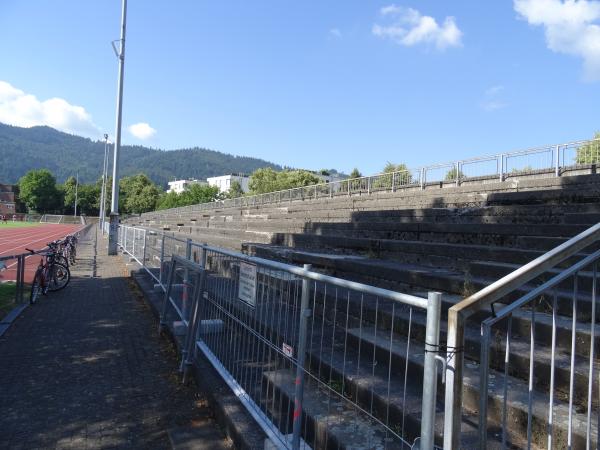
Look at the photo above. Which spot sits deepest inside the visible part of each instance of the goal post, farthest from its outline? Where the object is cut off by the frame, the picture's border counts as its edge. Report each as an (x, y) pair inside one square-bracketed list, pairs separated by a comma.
[(52, 218)]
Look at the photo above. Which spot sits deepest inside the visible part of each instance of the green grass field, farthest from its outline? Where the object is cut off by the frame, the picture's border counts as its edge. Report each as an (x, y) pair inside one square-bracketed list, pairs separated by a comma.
[(10, 224), (7, 298)]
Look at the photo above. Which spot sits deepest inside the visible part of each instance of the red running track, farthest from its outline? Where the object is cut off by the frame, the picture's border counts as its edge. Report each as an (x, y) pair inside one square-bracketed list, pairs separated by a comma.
[(13, 241)]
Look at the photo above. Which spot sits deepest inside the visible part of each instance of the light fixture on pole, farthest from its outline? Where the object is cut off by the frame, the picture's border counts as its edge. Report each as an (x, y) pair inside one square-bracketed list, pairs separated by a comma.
[(113, 233)]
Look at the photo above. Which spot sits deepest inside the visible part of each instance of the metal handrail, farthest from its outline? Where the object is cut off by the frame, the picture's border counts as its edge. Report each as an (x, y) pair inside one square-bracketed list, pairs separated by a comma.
[(410, 300), (421, 171), (459, 313)]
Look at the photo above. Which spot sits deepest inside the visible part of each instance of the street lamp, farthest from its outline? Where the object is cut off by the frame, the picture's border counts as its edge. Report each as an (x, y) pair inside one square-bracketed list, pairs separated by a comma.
[(76, 186), (113, 233), (104, 180)]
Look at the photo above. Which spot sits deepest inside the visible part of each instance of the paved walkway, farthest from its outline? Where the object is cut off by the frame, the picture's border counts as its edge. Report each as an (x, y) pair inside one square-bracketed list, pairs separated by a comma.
[(84, 368)]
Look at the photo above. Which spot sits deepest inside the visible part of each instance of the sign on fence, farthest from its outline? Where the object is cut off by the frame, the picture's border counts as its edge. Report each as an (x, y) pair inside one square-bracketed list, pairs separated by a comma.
[(247, 290)]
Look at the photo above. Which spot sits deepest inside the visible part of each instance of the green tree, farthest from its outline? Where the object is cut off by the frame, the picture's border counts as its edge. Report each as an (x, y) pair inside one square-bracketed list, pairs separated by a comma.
[(39, 192), (391, 167), (235, 190), (68, 190), (194, 195), (589, 153), (88, 198), (198, 193), (137, 194), (168, 200), (451, 175), (355, 173), (268, 180)]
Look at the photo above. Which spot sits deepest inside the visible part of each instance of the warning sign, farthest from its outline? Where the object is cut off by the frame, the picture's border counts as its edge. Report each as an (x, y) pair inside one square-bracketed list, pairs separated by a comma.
[(247, 289), (288, 350)]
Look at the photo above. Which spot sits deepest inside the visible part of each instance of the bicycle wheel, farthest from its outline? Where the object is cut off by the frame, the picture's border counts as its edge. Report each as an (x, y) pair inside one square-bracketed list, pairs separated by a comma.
[(60, 259), (58, 277), (36, 287)]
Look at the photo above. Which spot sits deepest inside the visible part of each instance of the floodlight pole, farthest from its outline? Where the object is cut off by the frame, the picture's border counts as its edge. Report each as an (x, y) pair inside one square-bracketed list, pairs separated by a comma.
[(103, 190), (76, 186), (113, 233)]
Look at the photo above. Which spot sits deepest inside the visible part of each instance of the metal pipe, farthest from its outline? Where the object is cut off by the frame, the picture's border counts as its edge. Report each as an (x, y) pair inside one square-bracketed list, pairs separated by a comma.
[(305, 313), (114, 212), (432, 341)]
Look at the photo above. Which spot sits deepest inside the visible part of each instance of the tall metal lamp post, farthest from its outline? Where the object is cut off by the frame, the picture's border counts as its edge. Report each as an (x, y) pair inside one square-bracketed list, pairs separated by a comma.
[(76, 188), (104, 181), (113, 233)]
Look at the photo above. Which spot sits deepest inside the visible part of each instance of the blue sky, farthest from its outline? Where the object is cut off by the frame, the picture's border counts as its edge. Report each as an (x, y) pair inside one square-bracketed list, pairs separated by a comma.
[(312, 84)]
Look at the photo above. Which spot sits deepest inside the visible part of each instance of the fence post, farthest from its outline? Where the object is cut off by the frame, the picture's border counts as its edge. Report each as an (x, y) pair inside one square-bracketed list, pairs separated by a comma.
[(144, 250), (432, 341), (305, 313), (163, 314), (203, 255), (22, 279), (188, 352), (457, 173), (185, 297), (134, 239), (483, 385), (19, 282), (557, 161), (501, 171), (368, 185), (393, 181), (422, 178), (348, 187), (454, 380), (162, 258)]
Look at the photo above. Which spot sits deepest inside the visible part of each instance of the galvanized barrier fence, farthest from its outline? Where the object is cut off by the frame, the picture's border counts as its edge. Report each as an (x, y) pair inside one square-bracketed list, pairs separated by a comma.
[(538, 373), (315, 359), (16, 263), (540, 162), (557, 387)]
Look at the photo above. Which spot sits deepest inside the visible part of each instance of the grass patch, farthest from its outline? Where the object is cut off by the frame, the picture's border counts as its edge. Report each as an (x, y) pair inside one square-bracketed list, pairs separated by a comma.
[(7, 297), (10, 224)]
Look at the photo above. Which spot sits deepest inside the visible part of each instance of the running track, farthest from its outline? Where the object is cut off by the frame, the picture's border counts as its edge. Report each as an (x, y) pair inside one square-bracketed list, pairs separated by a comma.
[(13, 241)]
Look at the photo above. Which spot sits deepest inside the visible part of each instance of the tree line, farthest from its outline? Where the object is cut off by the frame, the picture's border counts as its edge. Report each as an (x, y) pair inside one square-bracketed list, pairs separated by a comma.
[(40, 192)]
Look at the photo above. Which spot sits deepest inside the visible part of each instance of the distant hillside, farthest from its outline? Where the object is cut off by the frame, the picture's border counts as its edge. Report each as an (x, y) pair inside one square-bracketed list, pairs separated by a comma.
[(23, 149)]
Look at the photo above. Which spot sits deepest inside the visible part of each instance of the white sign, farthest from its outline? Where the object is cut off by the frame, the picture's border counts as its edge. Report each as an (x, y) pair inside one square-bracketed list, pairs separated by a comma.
[(288, 350), (247, 290)]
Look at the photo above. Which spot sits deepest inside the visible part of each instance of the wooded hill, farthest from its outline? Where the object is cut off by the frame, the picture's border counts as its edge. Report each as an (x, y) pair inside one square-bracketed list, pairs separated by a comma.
[(23, 149)]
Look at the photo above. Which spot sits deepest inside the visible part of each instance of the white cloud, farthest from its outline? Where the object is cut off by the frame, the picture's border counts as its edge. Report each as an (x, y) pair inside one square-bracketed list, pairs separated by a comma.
[(408, 27), (491, 99), (141, 130), (570, 27), (336, 33), (25, 110)]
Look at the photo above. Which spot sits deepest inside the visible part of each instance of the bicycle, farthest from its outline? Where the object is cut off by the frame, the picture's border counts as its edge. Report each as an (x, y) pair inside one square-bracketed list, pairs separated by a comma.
[(50, 275)]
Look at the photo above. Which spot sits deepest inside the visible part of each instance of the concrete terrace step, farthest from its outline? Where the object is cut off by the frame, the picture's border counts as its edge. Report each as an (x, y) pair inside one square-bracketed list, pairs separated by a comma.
[(397, 249), (517, 403), (362, 309), (400, 276)]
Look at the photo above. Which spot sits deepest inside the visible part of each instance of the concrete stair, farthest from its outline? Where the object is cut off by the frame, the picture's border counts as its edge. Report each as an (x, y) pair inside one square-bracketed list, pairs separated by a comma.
[(453, 240)]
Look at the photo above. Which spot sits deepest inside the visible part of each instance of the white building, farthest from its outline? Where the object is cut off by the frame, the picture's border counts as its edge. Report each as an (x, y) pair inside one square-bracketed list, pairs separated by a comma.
[(178, 186), (329, 178), (224, 182)]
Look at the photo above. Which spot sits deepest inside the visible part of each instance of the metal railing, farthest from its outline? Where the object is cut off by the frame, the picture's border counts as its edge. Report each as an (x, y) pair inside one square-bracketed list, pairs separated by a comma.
[(313, 358), (561, 283), (540, 162), (12, 270)]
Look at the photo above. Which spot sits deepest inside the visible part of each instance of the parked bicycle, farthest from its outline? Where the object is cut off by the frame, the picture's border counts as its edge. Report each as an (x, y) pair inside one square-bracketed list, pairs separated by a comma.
[(66, 250), (51, 275)]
